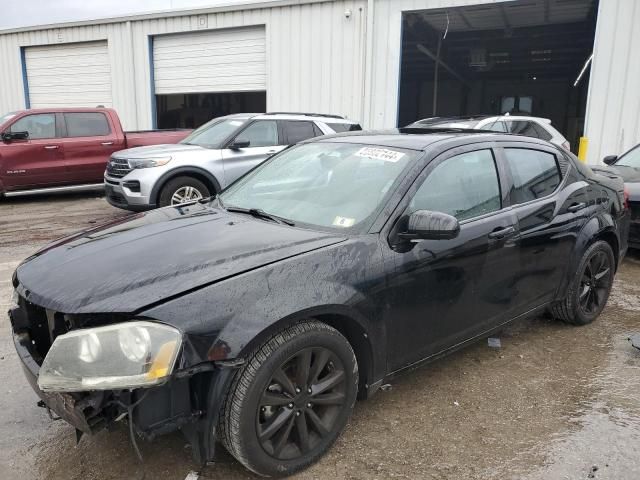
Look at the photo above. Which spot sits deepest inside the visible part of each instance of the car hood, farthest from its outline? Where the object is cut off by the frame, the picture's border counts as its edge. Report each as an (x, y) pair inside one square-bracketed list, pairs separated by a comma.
[(145, 259), (152, 151)]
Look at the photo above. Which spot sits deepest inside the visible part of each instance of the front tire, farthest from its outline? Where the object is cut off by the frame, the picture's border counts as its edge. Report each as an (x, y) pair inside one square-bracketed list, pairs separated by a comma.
[(181, 190), (291, 399), (590, 288)]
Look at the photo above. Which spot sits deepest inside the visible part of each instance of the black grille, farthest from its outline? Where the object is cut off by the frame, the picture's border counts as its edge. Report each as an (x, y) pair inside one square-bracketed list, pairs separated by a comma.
[(42, 326), (118, 167)]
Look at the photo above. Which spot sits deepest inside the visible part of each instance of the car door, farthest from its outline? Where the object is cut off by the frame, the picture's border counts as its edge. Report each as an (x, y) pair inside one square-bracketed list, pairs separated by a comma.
[(250, 147), (551, 204), (442, 292), (36, 161), (89, 140)]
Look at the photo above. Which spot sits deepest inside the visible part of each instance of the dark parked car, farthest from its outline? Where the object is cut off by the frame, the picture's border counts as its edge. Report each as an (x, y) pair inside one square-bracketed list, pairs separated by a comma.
[(324, 272), (628, 167)]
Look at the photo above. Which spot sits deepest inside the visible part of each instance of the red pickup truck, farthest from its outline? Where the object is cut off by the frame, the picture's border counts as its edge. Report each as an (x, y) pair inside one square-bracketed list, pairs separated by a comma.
[(65, 148)]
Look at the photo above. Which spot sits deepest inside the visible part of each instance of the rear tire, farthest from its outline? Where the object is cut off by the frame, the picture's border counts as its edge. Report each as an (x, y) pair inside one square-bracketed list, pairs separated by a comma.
[(280, 416), (590, 287), (182, 190)]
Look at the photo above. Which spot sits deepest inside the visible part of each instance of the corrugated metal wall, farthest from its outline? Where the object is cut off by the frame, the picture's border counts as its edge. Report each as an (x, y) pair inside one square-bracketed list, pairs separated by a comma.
[(613, 108), (315, 56)]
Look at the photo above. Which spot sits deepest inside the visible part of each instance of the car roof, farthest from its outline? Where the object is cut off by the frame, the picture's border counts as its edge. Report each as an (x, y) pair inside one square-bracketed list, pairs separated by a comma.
[(478, 118), (326, 118), (421, 138), (58, 109), (436, 120)]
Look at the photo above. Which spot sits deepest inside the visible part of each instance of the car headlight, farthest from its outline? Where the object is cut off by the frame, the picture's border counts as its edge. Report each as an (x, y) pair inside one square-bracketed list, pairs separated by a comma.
[(121, 356), (148, 162)]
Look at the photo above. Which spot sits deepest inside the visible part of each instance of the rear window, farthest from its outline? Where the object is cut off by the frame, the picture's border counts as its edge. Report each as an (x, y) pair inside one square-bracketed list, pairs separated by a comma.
[(535, 174), (542, 133), (522, 127), (86, 124), (344, 127)]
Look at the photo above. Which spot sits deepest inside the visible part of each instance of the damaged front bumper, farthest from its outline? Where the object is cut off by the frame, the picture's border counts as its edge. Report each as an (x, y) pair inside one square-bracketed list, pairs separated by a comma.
[(190, 402), (81, 410)]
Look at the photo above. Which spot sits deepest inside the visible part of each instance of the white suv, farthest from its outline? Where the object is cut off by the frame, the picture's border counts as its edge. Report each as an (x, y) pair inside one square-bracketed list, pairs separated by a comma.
[(212, 157), (521, 125)]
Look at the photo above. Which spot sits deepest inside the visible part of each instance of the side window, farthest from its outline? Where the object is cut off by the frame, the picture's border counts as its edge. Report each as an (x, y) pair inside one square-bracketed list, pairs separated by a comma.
[(542, 133), (86, 124), (262, 133), (295, 132), (522, 128), (344, 127), (496, 127), (464, 186), (535, 174), (42, 125)]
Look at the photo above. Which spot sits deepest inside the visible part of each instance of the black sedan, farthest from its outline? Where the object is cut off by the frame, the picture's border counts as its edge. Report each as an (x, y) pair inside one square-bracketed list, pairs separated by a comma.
[(258, 317), (628, 167)]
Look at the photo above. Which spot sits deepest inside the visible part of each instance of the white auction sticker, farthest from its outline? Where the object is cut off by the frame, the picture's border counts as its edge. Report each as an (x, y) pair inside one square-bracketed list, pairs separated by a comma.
[(236, 123), (343, 222), (380, 154)]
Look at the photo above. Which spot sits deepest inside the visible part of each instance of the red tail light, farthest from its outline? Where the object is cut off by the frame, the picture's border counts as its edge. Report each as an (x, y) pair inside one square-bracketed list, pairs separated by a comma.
[(626, 199)]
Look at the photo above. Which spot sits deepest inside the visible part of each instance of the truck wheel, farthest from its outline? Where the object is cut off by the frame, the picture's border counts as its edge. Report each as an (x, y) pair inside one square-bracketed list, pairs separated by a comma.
[(182, 190), (590, 288), (291, 399)]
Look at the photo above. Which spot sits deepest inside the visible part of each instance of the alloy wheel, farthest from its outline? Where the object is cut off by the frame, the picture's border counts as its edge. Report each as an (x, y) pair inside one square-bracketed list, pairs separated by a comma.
[(301, 403), (595, 283), (185, 194)]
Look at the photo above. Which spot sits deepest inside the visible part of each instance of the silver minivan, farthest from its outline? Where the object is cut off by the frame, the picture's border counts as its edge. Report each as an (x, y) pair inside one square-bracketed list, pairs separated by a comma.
[(209, 159)]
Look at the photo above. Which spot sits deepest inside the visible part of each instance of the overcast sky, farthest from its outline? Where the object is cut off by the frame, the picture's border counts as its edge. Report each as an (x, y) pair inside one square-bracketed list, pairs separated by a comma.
[(23, 13)]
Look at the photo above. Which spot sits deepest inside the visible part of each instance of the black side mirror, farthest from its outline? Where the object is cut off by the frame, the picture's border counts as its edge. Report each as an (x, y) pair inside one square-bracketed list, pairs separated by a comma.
[(610, 159), (8, 136), (238, 144), (428, 225)]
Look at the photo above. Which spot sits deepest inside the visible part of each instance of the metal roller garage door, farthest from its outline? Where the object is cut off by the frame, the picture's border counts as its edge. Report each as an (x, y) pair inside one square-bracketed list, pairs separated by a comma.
[(70, 75), (232, 60)]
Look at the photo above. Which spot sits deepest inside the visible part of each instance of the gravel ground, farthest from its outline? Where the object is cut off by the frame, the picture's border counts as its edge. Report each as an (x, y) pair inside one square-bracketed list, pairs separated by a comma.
[(554, 402)]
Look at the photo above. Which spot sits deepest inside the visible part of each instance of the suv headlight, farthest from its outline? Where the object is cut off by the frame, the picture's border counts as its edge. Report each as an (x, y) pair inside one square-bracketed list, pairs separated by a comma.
[(121, 356), (148, 162)]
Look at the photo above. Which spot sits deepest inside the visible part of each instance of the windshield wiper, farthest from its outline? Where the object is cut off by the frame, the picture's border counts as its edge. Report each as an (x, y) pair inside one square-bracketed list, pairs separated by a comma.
[(259, 213)]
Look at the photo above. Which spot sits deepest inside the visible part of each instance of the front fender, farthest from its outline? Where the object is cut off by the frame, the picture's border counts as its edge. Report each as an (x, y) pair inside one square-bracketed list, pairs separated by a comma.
[(227, 319), (184, 170)]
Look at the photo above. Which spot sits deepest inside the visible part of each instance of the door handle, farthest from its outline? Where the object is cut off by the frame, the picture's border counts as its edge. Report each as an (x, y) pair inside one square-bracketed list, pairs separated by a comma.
[(106, 144), (576, 207), (501, 232), (51, 147)]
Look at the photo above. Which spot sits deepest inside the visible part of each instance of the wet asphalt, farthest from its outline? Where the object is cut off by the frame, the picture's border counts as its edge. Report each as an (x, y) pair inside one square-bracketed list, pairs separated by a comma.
[(553, 402)]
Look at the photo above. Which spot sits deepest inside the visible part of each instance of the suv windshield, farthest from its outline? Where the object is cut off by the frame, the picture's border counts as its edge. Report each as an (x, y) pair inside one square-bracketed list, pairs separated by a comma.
[(213, 133), (631, 159), (333, 185)]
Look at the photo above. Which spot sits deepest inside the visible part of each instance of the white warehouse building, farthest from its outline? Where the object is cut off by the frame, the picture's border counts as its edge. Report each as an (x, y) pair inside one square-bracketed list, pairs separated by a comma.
[(385, 63)]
